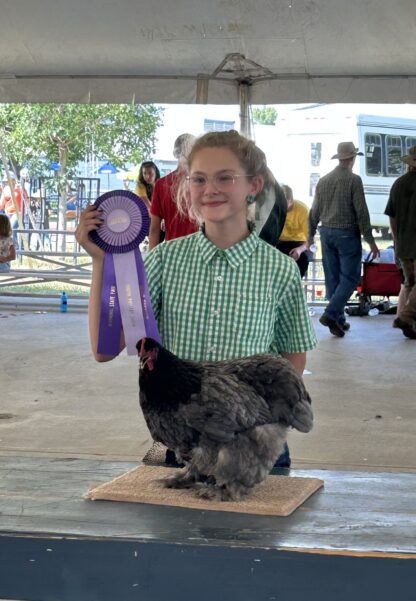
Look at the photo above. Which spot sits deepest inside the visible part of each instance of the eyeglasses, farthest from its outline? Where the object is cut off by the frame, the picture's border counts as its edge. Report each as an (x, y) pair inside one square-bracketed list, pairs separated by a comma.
[(223, 181)]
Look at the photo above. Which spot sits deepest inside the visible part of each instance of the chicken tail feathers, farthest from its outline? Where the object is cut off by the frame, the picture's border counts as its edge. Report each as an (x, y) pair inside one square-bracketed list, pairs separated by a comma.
[(302, 417)]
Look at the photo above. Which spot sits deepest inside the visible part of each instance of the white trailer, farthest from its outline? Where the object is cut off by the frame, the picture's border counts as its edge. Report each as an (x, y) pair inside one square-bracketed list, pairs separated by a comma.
[(307, 138)]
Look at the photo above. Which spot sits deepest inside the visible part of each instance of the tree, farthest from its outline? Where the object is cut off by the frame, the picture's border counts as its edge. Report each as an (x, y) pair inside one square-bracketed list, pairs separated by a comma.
[(265, 115), (36, 135)]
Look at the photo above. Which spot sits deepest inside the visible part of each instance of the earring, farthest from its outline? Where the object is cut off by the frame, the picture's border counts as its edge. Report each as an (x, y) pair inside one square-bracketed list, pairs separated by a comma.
[(250, 199)]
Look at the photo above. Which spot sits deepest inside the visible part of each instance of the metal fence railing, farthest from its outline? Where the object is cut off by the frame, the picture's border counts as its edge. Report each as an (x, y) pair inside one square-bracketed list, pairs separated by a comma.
[(314, 282)]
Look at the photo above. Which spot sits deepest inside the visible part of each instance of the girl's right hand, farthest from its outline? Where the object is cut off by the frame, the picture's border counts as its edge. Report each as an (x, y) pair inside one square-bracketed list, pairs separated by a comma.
[(90, 220)]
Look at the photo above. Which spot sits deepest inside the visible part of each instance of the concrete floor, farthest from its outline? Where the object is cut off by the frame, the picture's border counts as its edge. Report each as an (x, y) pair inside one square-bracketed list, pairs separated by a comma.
[(56, 401)]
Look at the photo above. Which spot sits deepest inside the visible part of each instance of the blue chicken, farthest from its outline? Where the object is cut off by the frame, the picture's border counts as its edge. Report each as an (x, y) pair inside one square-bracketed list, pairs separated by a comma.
[(227, 421)]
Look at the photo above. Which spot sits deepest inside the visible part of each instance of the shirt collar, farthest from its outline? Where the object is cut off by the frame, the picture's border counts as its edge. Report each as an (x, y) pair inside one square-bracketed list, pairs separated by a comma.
[(235, 255)]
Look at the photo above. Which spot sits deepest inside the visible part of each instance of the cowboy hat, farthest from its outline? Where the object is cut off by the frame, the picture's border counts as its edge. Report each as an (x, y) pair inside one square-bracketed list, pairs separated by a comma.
[(410, 158), (346, 150)]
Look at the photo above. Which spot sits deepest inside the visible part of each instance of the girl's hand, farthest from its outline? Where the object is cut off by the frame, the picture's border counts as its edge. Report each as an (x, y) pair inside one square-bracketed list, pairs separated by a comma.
[(90, 220)]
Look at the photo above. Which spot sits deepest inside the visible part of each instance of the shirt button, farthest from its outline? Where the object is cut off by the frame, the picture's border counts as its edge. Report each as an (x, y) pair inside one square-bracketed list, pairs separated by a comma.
[(219, 278), (212, 349), (215, 312)]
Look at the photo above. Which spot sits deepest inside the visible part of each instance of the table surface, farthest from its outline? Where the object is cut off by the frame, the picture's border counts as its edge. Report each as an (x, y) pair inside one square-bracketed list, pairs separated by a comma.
[(355, 512)]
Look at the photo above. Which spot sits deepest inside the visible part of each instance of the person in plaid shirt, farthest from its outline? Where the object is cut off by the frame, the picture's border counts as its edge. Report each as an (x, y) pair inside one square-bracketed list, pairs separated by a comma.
[(221, 292), (339, 205)]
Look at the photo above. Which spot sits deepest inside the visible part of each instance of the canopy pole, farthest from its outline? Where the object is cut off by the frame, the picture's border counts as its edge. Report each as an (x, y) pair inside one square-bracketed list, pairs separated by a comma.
[(245, 116)]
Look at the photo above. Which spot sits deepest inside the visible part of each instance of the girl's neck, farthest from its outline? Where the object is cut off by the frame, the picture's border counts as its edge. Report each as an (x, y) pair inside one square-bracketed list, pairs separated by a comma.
[(225, 235)]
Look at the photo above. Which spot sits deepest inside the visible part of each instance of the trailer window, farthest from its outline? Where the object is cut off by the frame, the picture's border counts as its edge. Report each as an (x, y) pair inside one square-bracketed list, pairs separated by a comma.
[(316, 153), (409, 143), (393, 153), (373, 163), (218, 125)]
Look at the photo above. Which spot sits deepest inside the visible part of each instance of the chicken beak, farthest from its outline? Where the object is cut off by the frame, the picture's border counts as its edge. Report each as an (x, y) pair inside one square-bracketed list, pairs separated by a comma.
[(146, 361)]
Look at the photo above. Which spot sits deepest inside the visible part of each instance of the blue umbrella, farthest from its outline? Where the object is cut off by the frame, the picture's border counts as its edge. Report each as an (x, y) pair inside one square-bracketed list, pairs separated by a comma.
[(109, 169)]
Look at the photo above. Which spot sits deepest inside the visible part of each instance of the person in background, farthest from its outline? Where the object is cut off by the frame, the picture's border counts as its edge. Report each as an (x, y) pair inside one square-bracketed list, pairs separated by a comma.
[(270, 210), (7, 204), (148, 175), (294, 237), (222, 292), (164, 207), (7, 244), (401, 209), (339, 205)]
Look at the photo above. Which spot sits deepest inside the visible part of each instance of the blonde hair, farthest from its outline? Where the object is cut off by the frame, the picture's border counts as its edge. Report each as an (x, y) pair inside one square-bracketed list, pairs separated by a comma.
[(5, 226), (251, 157)]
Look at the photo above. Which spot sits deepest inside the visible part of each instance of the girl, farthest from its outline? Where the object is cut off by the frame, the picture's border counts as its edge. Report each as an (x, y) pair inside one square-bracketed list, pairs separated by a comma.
[(148, 175), (222, 292), (7, 245)]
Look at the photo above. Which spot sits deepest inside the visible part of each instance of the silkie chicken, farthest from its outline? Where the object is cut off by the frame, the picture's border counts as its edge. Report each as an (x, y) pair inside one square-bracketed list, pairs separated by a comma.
[(227, 420)]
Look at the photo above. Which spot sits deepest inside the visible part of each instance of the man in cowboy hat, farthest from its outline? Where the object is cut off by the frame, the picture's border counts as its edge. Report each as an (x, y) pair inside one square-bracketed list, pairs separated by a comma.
[(401, 209), (339, 205)]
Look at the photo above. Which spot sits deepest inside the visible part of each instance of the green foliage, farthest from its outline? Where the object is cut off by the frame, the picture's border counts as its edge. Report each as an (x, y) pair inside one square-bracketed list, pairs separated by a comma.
[(35, 135), (265, 115)]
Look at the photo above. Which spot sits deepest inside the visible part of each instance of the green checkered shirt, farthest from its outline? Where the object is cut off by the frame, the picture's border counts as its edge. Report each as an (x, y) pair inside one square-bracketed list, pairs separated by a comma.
[(214, 304)]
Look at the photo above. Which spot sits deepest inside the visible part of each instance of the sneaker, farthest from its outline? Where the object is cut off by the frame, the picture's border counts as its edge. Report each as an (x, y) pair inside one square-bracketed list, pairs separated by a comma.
[(334, 327), (345, 326), (407, 329)]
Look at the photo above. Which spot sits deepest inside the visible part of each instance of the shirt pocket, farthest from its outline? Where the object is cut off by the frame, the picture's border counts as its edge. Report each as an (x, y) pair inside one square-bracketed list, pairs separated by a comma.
[(254, 317)]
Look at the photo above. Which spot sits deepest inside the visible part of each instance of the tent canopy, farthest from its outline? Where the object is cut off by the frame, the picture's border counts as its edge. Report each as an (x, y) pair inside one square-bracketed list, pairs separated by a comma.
[(207, 51)]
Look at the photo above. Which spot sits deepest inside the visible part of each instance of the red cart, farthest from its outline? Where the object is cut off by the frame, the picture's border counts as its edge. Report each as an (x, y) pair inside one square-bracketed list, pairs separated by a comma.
[(378, 279)]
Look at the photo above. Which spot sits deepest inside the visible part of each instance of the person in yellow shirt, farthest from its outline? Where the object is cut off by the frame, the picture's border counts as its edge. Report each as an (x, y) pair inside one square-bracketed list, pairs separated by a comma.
[(148, 176), (293, 239)]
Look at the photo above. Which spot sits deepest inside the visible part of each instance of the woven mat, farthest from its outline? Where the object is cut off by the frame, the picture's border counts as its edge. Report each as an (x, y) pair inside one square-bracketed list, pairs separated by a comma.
[(277, 495)]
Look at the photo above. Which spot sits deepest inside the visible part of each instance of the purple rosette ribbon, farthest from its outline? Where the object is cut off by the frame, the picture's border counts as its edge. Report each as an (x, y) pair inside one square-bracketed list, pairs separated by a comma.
[(125, 298)]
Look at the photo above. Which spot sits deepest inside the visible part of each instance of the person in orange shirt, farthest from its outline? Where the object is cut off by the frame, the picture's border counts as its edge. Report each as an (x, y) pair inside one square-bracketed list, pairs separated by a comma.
[(293, 239), (7, 204)]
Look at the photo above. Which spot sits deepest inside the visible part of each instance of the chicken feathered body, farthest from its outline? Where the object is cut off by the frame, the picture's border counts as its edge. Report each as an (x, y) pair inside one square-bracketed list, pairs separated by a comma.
[(228, 419)]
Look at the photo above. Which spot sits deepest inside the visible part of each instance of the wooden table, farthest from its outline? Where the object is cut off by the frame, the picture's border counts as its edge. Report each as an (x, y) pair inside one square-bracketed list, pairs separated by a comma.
[(353, 540)]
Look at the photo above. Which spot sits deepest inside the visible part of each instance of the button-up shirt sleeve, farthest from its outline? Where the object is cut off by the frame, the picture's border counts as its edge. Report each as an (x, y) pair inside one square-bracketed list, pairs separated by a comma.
[(390, 209), (153, 265), (361, 210), (314, 214), (293, 330)]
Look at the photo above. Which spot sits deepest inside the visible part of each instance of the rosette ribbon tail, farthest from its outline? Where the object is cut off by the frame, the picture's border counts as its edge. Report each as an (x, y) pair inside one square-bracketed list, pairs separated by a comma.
[(110, 318), (125, 304)]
